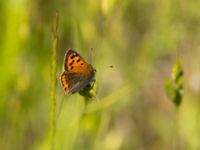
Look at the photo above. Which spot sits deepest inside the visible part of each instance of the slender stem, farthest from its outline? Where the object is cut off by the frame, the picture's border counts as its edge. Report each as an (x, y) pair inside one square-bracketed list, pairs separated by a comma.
[(176, 136), (53, 83), (198, 113)]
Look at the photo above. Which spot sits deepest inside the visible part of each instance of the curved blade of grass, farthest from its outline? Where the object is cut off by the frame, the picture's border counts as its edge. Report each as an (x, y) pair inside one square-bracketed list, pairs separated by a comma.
[(109, 100)]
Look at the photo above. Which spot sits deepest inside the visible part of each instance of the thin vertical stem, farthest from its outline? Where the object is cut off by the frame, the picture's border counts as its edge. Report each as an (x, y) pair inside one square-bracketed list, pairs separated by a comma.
[(198, 112), (53, 83), (176, 136)]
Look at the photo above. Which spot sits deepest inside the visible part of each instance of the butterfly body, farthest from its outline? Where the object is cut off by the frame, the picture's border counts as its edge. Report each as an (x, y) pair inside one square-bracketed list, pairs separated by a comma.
[(77, 72)]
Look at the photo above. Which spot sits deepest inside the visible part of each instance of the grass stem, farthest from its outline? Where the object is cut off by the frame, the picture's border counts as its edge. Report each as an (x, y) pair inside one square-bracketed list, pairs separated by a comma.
[(53, 83)]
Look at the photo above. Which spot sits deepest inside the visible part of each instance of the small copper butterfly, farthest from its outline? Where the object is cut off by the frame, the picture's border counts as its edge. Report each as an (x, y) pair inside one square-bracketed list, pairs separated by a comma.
[(78, 74)]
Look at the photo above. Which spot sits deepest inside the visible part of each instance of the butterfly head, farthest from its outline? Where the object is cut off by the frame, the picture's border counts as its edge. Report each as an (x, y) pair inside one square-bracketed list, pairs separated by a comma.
[(91, 69)]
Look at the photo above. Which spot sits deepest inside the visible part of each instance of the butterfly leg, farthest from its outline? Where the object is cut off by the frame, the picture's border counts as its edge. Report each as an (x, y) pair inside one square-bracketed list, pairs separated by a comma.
[(93, 83)]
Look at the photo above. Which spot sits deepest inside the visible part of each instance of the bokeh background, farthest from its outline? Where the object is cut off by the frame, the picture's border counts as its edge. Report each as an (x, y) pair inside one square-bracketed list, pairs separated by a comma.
[(140, 38)]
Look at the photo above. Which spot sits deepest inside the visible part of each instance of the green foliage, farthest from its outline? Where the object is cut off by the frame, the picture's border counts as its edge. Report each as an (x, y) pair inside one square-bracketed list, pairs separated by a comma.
[(139, 38), (174, 87)]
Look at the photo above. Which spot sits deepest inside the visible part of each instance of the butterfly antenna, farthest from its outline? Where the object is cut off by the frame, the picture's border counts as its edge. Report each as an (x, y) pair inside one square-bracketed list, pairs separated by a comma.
[(91, 55), (110, 66)]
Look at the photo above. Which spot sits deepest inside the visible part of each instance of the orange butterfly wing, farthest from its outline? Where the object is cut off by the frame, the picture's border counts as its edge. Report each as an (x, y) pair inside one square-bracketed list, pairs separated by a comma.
[(64, 82), (75, 63), (78, 73)]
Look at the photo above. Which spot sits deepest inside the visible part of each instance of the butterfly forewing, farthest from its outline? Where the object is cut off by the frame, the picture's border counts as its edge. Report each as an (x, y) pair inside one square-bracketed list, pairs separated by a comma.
[(74, 62)]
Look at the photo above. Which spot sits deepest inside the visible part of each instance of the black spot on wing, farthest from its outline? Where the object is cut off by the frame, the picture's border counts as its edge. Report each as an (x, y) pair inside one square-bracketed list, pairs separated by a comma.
[(73, 55), (78, 60), (71, 63), (71, 68)]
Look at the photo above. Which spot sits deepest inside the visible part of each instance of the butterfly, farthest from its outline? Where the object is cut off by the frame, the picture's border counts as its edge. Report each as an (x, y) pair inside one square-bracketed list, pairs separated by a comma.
[(78, 74)]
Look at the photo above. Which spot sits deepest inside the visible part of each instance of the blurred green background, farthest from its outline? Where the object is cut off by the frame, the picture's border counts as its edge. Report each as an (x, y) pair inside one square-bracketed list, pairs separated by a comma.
[(139, 38)]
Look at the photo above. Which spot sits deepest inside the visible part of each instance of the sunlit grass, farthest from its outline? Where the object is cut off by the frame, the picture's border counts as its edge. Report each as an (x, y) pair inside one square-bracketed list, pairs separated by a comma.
[(53, 82), (131, 109)]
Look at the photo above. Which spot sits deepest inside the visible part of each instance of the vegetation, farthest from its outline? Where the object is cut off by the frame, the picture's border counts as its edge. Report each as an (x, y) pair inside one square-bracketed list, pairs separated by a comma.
[(132, 107)]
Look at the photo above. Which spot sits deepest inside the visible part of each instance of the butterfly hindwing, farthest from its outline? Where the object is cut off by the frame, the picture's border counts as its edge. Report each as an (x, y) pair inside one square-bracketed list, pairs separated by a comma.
[(64, 82), (73, 82)]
